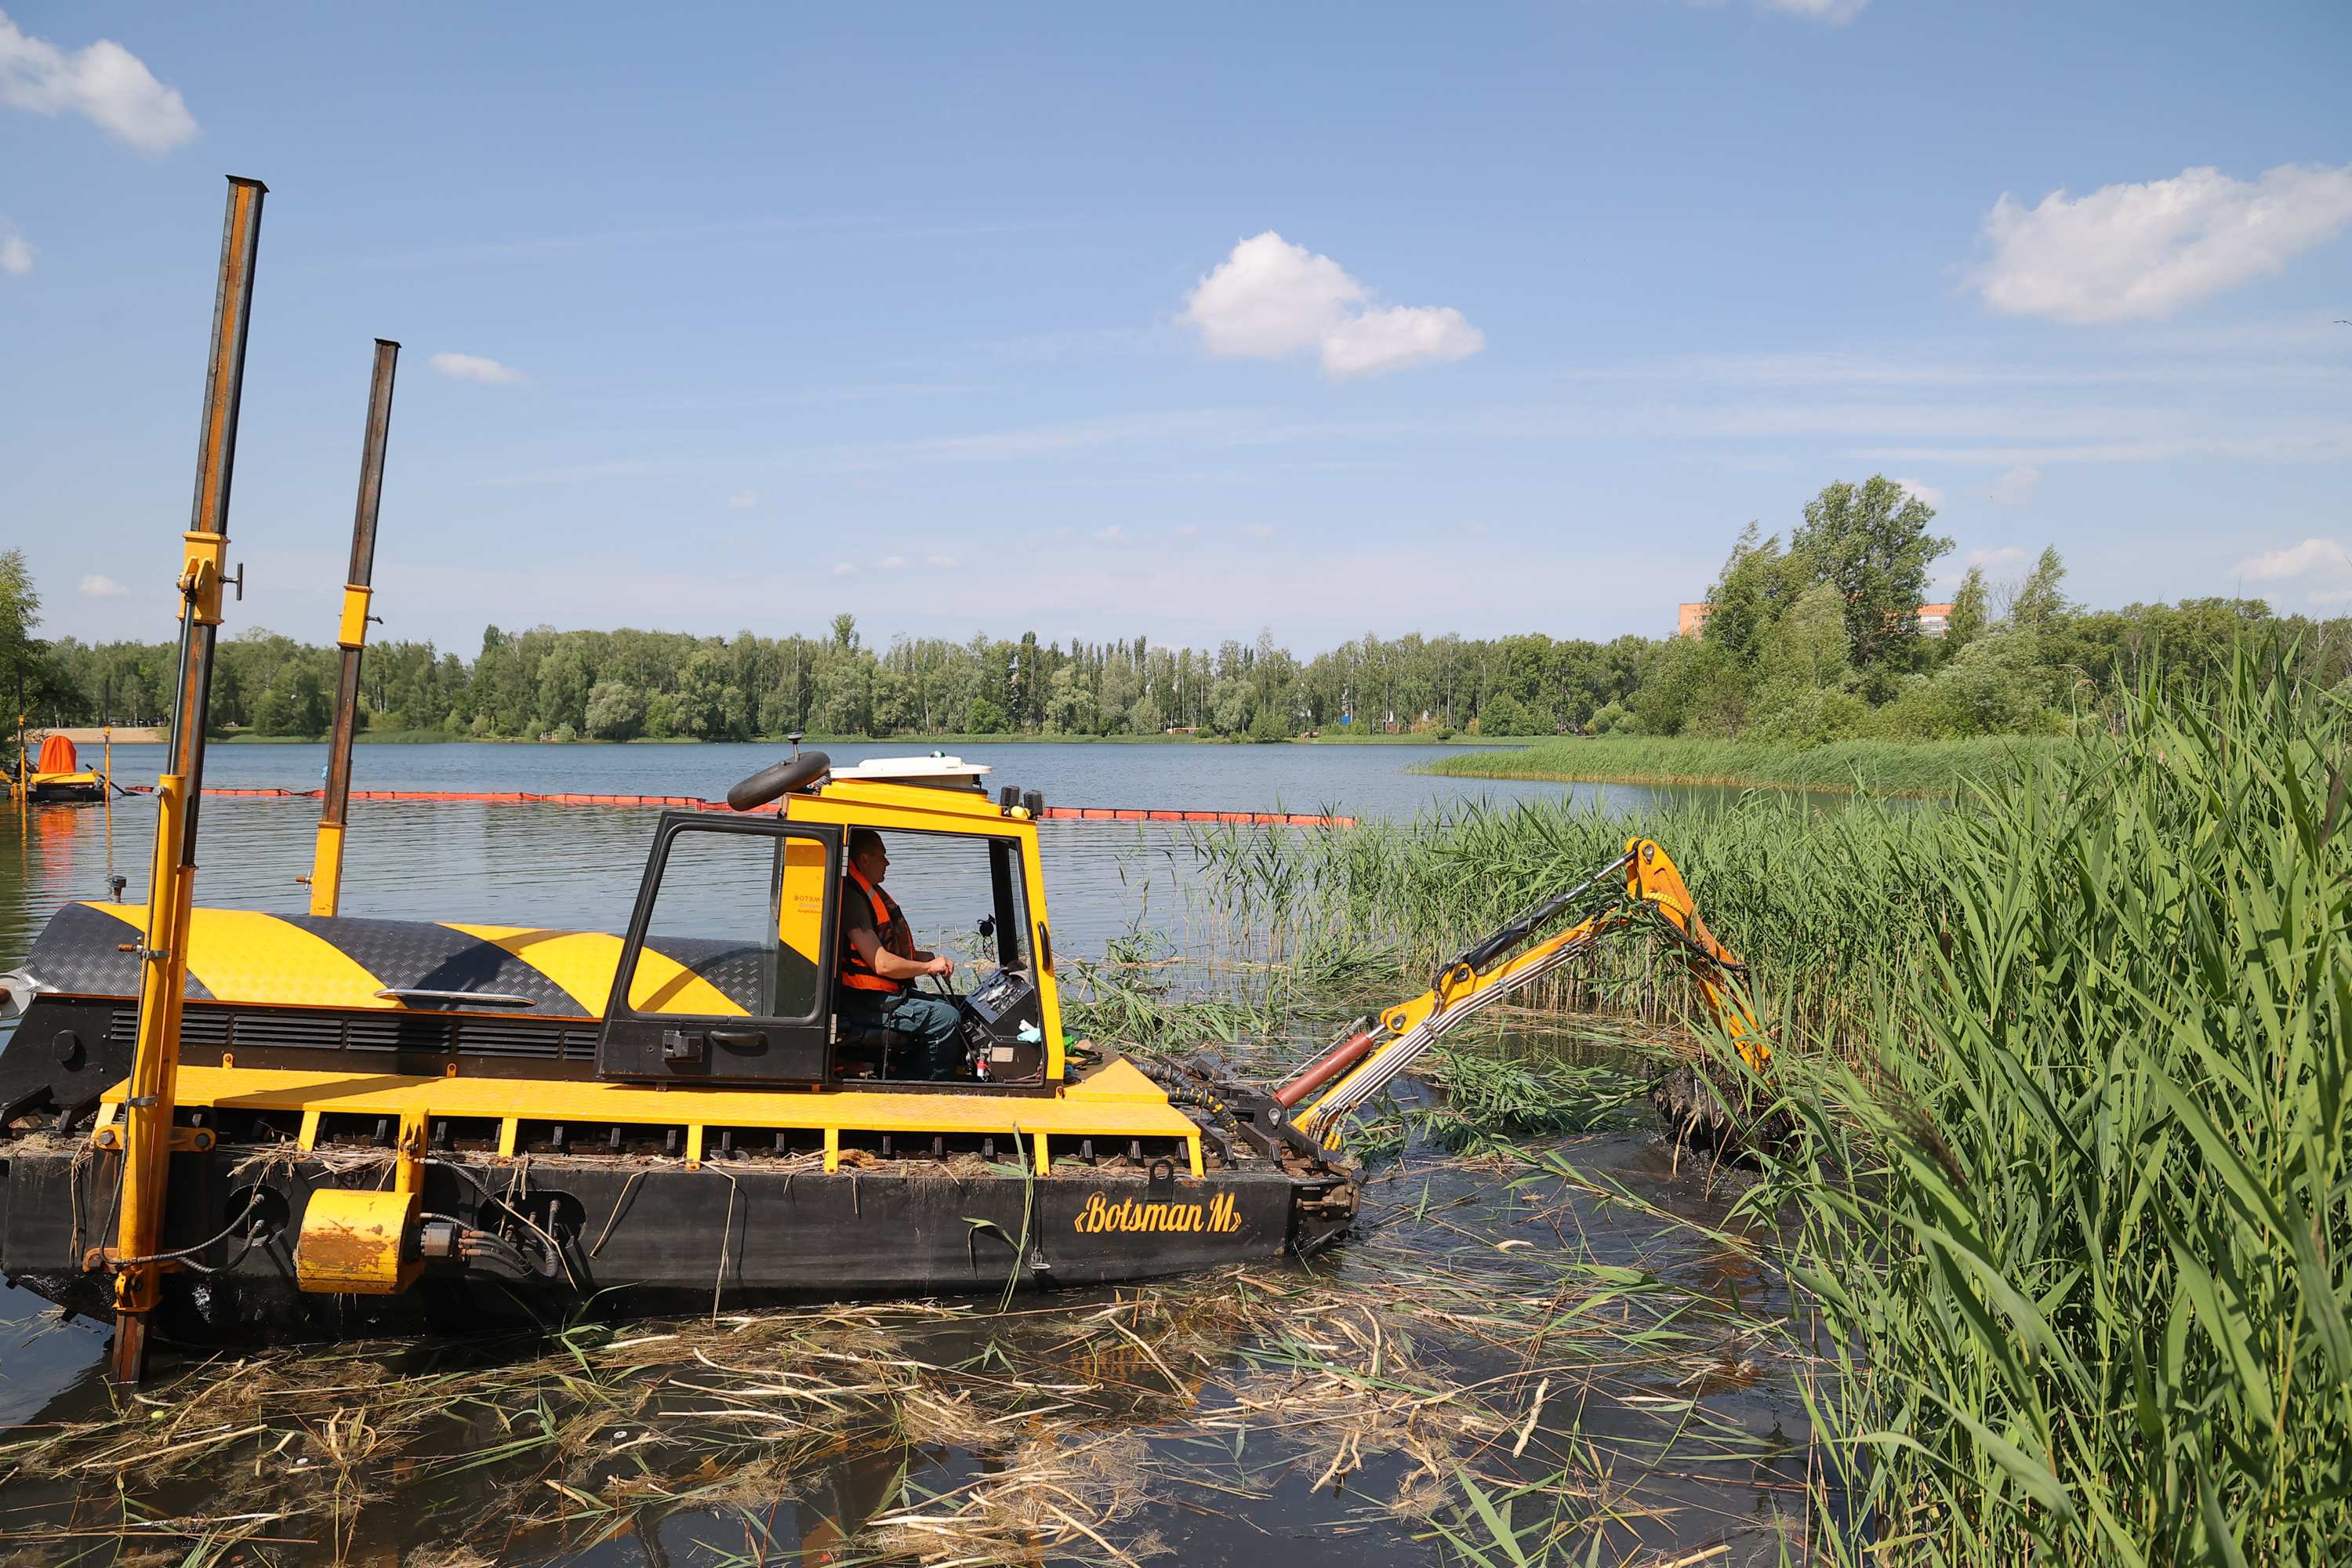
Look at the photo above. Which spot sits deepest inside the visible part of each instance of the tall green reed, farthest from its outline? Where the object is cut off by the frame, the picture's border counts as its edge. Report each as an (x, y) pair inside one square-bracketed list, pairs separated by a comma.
[(1825, 905), (2073, 1219)]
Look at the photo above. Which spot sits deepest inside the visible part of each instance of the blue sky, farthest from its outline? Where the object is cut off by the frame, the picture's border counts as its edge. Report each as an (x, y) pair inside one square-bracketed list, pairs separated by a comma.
[(1108, 322)]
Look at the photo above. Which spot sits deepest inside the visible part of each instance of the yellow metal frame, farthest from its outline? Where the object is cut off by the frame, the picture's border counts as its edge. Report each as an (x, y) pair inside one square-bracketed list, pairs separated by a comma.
[(915, 808), (1115, 1102)]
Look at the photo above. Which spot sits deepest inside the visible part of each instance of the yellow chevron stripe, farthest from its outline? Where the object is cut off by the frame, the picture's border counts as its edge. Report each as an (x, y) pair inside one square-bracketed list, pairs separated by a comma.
[(581, 964), (242, 955)]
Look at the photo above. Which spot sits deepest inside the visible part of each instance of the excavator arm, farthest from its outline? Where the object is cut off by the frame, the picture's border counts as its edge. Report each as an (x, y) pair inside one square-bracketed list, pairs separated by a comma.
[(1641, 888)]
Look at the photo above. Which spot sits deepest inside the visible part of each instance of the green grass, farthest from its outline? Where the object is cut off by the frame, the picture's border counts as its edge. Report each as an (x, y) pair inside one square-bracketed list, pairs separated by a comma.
[(1929, 768)]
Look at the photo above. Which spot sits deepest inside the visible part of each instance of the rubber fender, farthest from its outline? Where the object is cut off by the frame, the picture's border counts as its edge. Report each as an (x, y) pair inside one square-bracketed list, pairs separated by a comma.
[(773, 782)]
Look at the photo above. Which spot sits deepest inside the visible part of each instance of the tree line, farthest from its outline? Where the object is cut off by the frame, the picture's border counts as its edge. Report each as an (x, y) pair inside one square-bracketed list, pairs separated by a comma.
[(1808, 641)]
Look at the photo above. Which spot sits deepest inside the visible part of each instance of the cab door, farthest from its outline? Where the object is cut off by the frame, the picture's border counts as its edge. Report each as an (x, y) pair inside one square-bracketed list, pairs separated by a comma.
[(725, 974)]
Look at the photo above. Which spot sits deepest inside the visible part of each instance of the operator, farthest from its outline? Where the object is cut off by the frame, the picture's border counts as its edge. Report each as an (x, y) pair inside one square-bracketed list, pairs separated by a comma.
[(880, 964)]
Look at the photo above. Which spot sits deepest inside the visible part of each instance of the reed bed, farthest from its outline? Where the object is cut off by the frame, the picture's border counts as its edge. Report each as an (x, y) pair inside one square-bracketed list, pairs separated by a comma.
[(1828, 907), (2074, 1215)]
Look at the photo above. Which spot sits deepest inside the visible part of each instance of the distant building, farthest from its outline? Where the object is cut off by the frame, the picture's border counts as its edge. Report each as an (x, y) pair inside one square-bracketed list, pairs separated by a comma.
[(1691, 619)]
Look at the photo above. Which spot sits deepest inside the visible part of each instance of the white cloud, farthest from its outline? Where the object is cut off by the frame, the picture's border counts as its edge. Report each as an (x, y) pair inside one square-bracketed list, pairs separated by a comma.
[(1400, 335), (844, 569), (1258, 530), (743, 500), (1114, 534), (1188, 531), (2333, 597), (97, 587), (2015, 487), (891, 563), (1271, 299), (1836, 13), (2128, 252), (1927, 494), (16, 251), (475, 367), (945, 562), (105, 83), (2312, 556)]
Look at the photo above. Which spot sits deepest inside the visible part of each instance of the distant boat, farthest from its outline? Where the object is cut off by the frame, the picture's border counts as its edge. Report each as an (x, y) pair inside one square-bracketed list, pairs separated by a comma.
[(57, 776)]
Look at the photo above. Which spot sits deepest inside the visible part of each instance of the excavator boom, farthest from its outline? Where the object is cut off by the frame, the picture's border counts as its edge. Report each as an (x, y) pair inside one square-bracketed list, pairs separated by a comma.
[(1641, 887)]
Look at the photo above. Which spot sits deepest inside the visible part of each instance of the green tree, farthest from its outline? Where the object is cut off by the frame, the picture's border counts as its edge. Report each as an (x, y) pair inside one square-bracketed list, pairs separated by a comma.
[(1968, 620), (1229, 707), (985, 717), (616, 710), (2038, 605), (1870, 541), (1755, 588), (562, 686), (20, 612), (1809, 648), (701, 701)]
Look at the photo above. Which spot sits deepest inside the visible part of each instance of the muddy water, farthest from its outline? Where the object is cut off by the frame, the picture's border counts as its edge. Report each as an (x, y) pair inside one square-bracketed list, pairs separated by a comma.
[(1561, 1347)]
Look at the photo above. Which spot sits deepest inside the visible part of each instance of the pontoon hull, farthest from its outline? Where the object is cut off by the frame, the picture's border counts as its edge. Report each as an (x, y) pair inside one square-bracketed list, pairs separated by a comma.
[(641, 1235)]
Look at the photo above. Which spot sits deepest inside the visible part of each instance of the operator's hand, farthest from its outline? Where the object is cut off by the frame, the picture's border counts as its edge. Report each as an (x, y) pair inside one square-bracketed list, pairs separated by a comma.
[(943, 967)]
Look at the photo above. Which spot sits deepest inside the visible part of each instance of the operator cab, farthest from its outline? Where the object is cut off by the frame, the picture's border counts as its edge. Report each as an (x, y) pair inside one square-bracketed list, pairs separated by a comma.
[(728, 972)]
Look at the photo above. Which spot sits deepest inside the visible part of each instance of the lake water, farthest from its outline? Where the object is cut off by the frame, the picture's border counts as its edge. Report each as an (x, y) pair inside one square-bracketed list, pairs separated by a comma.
[(1233, 1430), (577, 867)]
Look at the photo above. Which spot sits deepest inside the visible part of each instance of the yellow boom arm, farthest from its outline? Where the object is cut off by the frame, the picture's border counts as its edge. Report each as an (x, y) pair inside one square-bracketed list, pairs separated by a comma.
[(1359, 1068)]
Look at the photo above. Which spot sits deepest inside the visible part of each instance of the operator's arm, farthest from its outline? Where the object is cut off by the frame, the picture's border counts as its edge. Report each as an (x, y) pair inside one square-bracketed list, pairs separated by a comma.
[(889, 965)]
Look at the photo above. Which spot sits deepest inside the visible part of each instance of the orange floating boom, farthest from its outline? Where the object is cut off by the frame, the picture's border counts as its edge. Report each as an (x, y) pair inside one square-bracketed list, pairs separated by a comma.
[(691, 803)]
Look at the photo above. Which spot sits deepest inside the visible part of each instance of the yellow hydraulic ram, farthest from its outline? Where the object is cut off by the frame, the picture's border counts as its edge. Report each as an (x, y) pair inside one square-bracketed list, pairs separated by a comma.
[(148, 1133), (1361, 1066)]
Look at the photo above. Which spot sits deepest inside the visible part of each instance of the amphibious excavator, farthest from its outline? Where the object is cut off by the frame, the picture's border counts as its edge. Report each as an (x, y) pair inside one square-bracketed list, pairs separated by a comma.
[(220, 1124)]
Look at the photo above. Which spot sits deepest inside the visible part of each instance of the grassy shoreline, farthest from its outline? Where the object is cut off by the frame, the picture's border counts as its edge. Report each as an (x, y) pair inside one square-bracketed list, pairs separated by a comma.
[(1932, 769)]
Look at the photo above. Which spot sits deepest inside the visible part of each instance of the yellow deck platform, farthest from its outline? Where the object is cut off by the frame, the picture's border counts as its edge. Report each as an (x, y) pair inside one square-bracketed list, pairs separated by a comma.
[(1116, 1101)]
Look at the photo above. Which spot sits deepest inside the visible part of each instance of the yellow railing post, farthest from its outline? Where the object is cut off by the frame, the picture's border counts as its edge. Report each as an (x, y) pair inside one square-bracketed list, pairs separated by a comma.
[(171, 883)]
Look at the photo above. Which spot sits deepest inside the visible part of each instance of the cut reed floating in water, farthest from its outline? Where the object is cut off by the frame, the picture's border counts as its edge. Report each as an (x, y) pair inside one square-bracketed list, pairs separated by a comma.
[(1063, 1431)]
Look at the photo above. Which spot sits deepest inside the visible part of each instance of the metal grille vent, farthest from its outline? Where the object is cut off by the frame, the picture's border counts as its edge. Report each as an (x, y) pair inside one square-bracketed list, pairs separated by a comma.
[(399, 1034), (514, 1039)]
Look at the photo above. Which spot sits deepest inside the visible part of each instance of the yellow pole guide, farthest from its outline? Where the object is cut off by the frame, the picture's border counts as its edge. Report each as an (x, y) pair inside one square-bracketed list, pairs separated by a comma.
[(138, 1258)]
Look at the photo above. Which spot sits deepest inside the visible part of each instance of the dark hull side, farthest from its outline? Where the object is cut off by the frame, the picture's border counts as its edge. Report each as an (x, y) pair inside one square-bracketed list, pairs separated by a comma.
[(648, 1237)]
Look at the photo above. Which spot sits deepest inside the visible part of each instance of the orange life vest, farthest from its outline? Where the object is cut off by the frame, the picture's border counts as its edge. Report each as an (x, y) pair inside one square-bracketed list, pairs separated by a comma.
[(889, 930)]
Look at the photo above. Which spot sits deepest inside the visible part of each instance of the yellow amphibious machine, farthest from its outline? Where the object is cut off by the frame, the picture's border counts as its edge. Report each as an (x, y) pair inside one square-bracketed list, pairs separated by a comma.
[(399, 1123), (377, 1118), (222, 1124)]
